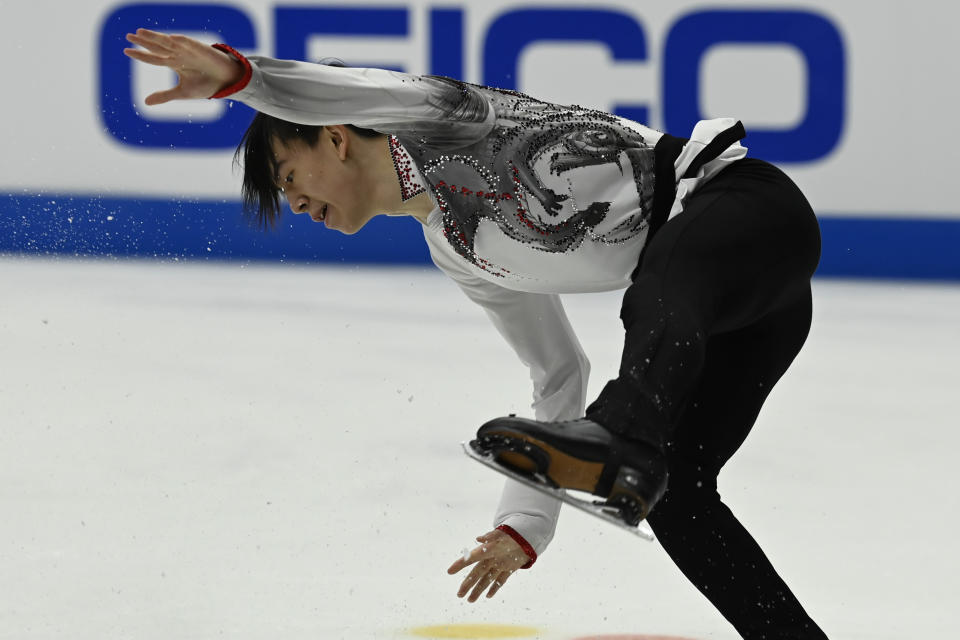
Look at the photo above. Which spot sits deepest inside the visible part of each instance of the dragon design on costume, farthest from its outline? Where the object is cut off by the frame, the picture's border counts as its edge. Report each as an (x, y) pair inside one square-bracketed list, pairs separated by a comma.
[(503, 177)]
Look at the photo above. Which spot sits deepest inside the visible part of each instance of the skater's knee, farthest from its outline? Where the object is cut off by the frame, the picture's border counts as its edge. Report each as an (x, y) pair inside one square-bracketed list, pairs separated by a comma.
[(690, 493)]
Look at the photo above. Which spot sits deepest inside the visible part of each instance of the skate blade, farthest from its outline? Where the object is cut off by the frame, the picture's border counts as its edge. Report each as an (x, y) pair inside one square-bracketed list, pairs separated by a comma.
[(596, 508)]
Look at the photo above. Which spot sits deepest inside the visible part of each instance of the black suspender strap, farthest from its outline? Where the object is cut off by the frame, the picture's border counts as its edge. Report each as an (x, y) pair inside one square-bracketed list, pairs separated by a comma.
[(715, 147), (666, 152)]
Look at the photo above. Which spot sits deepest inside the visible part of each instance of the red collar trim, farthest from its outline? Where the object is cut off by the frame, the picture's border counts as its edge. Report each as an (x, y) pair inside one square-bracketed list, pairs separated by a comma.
[(410, 183)]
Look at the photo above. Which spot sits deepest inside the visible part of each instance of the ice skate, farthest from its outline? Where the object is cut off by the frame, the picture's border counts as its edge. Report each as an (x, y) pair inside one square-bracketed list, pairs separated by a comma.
[(578, 455)]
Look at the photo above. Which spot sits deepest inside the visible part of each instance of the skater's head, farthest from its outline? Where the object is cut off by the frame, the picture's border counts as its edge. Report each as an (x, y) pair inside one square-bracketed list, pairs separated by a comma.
[(320, 171)]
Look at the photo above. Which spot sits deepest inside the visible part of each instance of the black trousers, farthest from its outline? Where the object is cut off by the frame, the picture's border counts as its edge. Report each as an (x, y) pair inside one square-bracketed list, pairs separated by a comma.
[(719, 307)]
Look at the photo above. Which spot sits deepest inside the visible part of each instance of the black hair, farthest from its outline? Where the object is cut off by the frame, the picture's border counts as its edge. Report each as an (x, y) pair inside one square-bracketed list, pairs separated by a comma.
[(261, 194)]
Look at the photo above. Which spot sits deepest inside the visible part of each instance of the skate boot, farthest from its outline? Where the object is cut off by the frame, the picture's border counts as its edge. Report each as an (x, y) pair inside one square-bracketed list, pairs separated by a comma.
[(580, 455)]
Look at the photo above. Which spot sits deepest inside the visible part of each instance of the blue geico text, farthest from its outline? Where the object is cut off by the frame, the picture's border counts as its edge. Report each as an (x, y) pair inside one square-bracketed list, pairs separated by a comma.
[(813, 35)]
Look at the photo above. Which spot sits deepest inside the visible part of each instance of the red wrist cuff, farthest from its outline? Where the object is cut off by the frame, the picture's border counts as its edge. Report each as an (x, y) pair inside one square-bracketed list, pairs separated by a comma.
[(520, 540), (247, 73)]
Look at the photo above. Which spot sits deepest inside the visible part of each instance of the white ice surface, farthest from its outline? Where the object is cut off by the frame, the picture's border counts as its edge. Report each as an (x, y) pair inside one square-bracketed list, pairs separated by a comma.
[(200, 451)]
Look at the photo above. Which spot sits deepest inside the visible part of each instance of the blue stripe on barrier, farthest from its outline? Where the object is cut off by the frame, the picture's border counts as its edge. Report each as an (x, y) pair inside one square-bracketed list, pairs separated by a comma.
[(905, 247), (190, 228)]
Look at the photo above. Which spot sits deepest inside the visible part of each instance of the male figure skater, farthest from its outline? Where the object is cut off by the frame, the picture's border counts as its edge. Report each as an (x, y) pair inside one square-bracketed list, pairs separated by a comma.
[(522, 200)]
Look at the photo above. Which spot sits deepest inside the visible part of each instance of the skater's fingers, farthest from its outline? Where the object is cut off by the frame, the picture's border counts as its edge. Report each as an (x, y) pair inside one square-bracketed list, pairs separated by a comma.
[(472, 578), (149, 58), (458, 565), (152, 40), (474, 555), (485, 580), (164, 96), (498, 582)]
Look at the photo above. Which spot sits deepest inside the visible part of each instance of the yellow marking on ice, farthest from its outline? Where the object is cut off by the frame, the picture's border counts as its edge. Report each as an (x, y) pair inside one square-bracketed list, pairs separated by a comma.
[(630, 637), (474, 631)]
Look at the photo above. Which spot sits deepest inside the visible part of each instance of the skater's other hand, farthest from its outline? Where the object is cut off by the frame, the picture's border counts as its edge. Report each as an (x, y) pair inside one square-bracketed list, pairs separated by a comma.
[(202, 70), (497, 557)]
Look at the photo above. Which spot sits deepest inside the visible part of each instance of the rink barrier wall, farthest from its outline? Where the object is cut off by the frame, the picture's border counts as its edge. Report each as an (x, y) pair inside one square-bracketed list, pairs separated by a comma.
[(905, 247)]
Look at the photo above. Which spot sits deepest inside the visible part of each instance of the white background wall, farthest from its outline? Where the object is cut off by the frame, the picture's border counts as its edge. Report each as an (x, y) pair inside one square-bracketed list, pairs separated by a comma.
[(895, 158)]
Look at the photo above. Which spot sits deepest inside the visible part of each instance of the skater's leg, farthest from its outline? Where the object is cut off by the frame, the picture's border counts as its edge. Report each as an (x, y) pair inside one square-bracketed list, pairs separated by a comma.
[(701, 535), (745, 247), (746, 244)]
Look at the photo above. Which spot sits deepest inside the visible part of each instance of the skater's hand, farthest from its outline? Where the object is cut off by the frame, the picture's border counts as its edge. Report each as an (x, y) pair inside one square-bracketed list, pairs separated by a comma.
[(202, 70), (497, 557)]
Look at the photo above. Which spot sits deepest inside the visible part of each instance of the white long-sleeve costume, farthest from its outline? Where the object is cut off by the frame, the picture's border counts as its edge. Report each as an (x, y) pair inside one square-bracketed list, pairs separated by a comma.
[(532, 200)]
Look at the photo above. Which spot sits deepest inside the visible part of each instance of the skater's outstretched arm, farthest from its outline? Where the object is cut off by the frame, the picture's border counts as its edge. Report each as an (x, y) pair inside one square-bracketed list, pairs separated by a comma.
[(440, 110)]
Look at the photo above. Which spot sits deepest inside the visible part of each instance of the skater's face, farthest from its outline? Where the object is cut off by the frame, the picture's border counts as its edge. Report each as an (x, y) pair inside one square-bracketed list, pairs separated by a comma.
[(325, 180)]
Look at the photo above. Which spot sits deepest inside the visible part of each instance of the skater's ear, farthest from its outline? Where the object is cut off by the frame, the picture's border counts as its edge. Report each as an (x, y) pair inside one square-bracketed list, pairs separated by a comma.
[(340, 136)]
